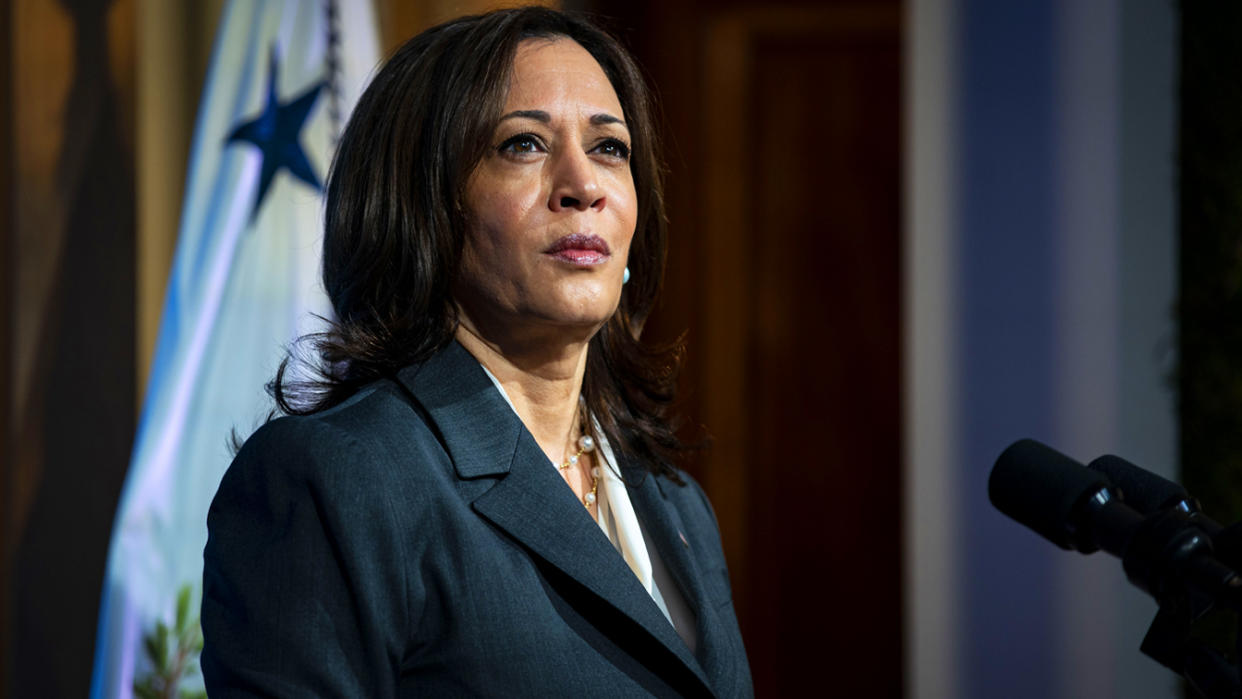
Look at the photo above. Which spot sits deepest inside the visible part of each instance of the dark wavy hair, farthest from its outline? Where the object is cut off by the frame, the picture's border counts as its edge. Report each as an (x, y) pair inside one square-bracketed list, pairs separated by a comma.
[(395, 226)]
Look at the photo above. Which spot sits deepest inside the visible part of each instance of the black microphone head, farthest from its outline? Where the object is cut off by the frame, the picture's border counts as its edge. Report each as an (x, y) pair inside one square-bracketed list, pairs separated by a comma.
[(1140, 488), (1044, 489)]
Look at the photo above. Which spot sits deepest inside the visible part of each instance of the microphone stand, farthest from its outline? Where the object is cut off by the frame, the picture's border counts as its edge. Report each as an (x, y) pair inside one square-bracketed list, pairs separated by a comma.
[(1195, 599), (1167, 548)]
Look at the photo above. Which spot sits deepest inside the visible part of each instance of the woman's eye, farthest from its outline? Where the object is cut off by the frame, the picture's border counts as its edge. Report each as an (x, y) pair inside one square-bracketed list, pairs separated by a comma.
[(614, 148), (521, 144)]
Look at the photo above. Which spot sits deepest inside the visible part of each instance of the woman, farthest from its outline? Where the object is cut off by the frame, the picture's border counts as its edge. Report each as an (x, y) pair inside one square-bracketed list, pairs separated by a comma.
[(477, 496)]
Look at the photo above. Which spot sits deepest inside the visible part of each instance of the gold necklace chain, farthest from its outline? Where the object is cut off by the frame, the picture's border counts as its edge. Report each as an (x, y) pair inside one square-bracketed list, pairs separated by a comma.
[(585, 444)]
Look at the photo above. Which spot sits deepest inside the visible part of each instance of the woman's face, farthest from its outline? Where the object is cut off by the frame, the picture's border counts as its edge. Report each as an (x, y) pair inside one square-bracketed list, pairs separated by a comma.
[(551, 208)]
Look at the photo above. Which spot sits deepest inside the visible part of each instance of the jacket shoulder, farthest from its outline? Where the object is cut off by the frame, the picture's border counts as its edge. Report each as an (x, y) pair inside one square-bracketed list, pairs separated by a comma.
[(377, 440), (361, 421), (306, 571)]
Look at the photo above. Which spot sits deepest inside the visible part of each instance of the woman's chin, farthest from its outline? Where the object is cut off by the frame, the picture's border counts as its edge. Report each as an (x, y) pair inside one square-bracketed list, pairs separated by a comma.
[(580, 326), (581, 311)]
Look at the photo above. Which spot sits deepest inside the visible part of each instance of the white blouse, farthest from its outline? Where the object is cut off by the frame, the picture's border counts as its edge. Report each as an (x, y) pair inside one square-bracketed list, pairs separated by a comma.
[(620, 524)]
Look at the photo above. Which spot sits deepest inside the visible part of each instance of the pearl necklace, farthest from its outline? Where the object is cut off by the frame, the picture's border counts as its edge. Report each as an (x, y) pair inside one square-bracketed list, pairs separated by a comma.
[(585, 444)]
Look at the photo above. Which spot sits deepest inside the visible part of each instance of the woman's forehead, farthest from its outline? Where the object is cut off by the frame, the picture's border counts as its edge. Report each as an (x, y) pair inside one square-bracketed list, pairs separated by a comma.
[(552, 73)]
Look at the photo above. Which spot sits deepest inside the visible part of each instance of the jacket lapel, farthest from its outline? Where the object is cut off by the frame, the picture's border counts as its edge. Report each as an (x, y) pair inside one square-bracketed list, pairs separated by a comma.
[(668, 535), (530, 501)]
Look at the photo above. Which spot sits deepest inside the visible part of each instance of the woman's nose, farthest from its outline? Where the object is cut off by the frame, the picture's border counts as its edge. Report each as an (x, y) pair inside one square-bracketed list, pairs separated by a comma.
[(575, 185)]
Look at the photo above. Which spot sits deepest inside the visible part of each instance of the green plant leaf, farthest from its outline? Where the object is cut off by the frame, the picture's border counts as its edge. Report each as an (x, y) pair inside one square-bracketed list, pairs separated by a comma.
[(151, 644), (173, 652), (146, 690), (183, 608), (161, 644)]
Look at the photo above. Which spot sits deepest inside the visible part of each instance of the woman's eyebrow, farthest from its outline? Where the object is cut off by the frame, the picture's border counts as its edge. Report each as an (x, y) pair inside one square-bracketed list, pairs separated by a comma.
[(536, 114), (543, 117), (601, 119)]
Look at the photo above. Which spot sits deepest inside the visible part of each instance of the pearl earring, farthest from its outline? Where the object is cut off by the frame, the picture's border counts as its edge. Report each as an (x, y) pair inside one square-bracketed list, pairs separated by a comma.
[(625, 278)]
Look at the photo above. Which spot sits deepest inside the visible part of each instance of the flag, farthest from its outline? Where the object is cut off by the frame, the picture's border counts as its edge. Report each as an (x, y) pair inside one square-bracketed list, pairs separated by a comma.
[(244, 284)]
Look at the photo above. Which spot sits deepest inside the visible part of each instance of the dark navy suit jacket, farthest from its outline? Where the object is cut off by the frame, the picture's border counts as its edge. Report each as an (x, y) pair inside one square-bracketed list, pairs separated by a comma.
[(414, 541)]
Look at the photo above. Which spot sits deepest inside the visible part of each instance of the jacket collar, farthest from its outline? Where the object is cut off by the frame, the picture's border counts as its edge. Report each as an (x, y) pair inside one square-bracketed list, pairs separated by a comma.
[(531, 503), (668, 538), (479, 428)]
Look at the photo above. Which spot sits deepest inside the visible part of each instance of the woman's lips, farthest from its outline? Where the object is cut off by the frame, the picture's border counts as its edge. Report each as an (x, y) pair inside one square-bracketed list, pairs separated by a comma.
[(580, 249)]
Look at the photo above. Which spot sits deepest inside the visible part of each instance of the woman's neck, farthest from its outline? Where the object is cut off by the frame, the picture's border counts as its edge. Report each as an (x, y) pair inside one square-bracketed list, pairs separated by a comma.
[(542, 381)]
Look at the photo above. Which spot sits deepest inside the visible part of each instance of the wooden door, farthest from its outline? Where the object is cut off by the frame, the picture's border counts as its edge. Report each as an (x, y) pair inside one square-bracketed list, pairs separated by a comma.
[(784, 150)]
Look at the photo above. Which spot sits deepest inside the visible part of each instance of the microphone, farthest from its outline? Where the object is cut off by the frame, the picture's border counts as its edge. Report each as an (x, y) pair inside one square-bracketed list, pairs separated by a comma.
[(1150, 493), (1164, 551), (1154, 526), (1071, 506), (1145, 491)]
